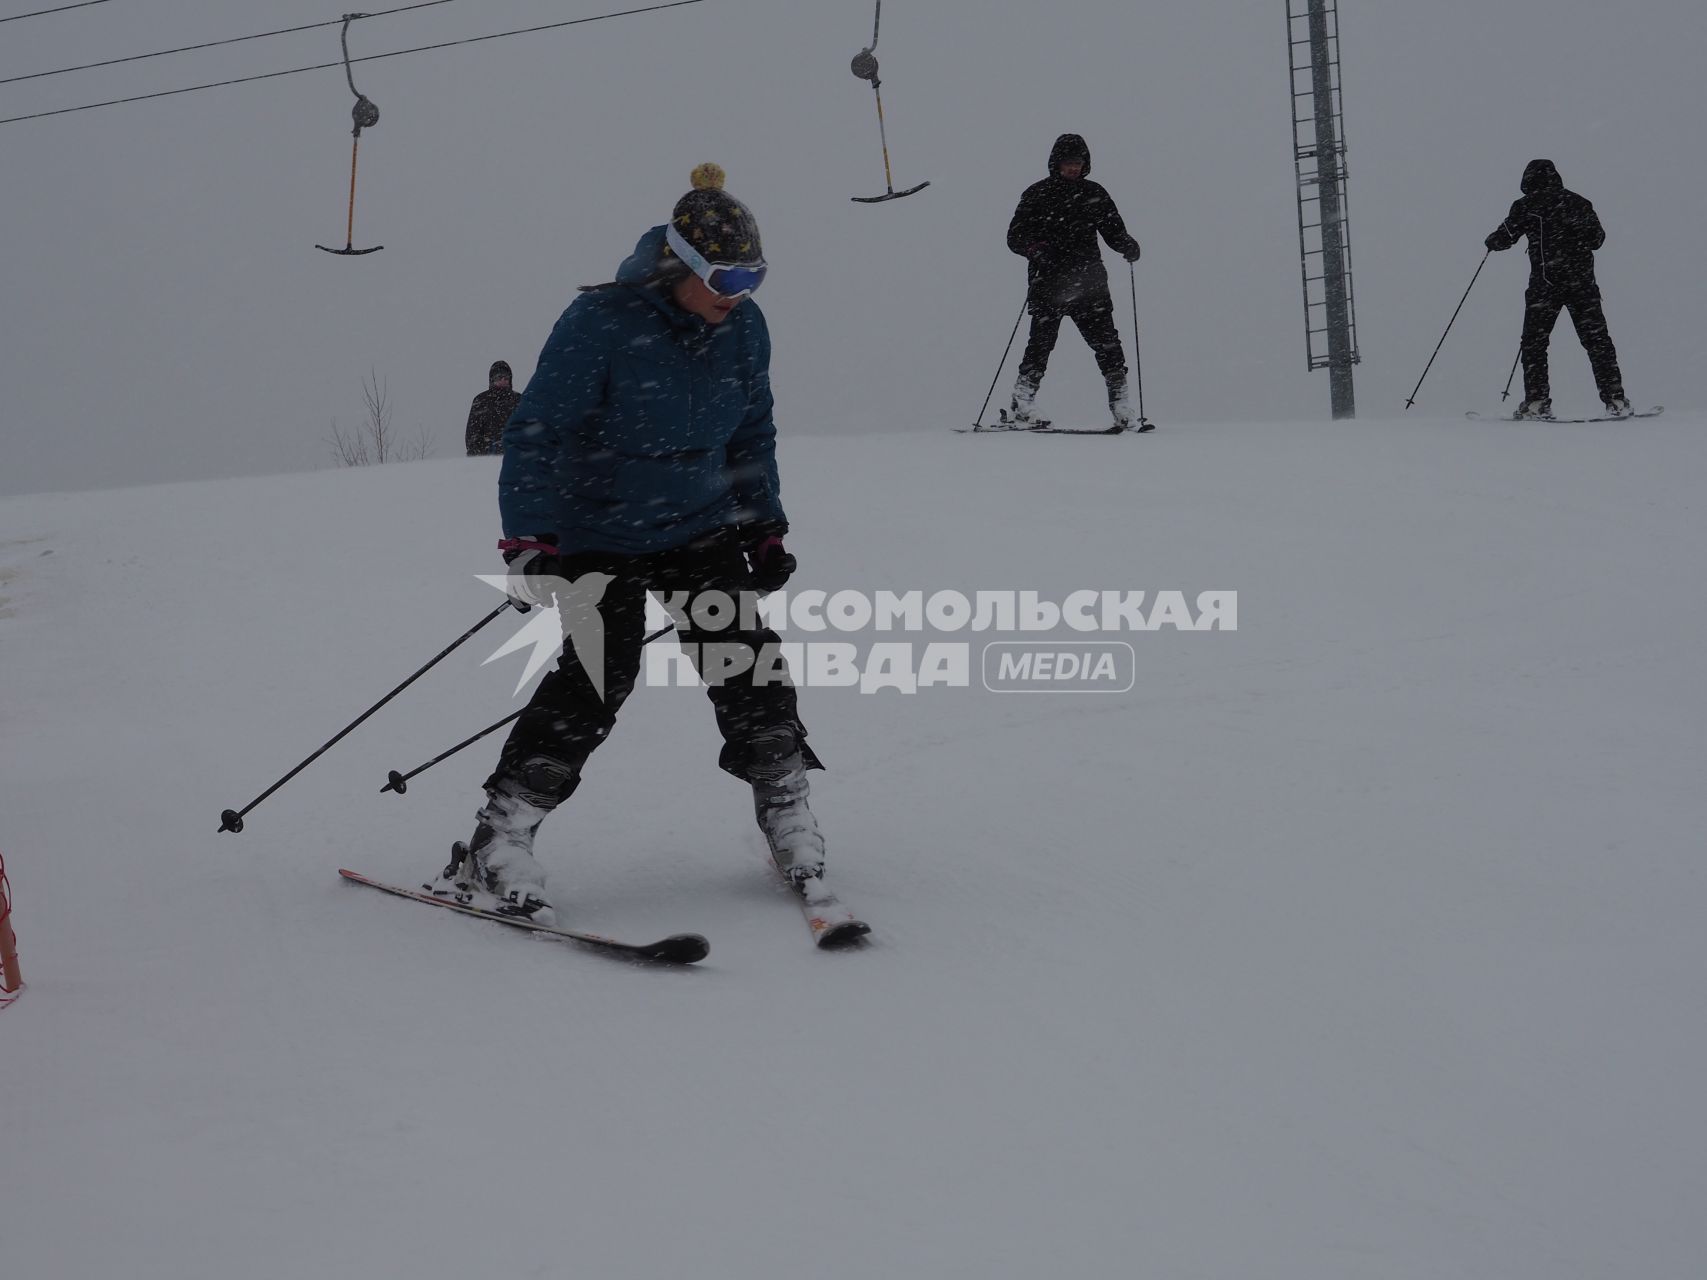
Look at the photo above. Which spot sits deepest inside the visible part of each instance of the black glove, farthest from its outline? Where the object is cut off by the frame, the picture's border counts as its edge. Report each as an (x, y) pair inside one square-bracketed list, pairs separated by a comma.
[(771, 566), (1132, 252), (534, 569)]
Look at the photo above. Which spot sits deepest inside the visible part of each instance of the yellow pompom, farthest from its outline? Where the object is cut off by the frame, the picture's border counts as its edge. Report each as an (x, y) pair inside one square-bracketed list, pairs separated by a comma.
[(707, 177)]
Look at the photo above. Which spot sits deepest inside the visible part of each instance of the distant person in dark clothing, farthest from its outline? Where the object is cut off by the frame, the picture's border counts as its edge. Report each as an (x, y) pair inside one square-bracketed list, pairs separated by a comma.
[(1563, 232), (1055, 229), (490, 411)]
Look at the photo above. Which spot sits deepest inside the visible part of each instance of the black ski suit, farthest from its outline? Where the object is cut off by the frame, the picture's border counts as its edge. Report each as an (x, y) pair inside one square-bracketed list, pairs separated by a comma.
[(1563, 232), (488, 414), (568, 718), (1055, 229)]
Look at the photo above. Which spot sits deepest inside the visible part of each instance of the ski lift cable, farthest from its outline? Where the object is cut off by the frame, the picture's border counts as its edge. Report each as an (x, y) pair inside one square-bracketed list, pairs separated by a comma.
[(214, 44), (62, 8), (372, 57)]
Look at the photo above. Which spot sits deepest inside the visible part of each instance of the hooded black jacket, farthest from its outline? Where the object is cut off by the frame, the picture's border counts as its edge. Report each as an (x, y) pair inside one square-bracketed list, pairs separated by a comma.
[(488, 414), (1562, 227), (1055, 229)]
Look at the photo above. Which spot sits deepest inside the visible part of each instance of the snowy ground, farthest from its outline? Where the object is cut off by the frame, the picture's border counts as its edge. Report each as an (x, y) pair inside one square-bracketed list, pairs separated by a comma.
[(1365, 941)]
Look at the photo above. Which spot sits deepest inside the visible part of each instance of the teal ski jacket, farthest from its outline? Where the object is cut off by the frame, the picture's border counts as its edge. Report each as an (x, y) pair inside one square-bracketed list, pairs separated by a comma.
[(644, 428)]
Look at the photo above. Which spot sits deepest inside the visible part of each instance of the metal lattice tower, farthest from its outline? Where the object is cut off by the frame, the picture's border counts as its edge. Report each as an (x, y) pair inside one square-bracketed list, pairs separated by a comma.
[(1324, 228)]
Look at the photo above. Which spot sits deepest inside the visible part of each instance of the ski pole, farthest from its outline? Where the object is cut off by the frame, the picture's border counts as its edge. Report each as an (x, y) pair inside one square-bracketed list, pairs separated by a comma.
[(978, 422), (1137, 352), (1506, 394), (399, 782), (1449, 324), (232, 819)]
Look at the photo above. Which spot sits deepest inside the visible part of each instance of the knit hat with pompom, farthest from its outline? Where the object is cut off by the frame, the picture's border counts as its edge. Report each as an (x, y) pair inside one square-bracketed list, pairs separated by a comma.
[(715, 222)]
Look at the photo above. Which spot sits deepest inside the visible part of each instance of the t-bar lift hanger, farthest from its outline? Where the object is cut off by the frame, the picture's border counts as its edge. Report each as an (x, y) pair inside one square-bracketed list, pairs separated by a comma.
[(366, 115), (865, 67)]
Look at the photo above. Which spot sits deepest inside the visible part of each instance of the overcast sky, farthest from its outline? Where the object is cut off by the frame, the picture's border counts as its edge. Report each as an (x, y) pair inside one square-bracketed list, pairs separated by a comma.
[(166, 315)]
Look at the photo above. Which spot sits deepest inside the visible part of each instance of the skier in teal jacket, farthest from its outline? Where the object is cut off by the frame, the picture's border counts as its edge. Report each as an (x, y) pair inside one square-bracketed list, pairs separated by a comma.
[(647, 426), (642, 458)]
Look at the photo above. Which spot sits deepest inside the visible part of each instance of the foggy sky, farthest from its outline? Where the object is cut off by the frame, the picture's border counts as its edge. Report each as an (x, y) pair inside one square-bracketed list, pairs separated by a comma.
[(165, 315)]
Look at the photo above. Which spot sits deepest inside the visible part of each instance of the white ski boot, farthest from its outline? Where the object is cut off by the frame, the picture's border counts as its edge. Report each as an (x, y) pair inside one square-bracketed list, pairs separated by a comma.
[(501, 854), (1125, 416), (1617, 406), (1537, 410), (1025, 398), (791, 830)]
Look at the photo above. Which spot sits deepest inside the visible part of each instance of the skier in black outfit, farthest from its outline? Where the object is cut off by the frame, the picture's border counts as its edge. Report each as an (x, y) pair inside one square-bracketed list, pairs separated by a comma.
[(1563, 232), (1055, 230), (490, 411)]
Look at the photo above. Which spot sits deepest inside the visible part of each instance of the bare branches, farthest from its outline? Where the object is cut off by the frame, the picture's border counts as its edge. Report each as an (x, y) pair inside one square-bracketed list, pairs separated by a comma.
[(376, 440)]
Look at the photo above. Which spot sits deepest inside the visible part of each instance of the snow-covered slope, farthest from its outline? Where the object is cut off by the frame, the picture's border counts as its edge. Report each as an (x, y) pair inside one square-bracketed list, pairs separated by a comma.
[(1365, 940)]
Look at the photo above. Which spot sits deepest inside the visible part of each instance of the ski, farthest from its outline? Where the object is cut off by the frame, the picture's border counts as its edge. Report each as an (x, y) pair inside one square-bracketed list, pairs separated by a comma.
[(1005, 423), (1655, 412), (678, 948), (832, 924), (1046, 427), (1135, 429)]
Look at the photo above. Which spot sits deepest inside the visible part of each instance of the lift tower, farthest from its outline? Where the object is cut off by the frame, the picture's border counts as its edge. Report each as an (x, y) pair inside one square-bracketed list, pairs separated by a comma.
[(1324, 229)]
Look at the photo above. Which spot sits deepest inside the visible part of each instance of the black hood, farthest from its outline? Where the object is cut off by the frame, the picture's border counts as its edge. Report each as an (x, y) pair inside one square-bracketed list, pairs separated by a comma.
[(1541, 175), (1069, 146), (498, 366)]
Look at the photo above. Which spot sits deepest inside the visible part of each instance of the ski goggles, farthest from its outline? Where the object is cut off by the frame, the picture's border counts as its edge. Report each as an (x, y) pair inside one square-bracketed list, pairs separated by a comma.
[(727, 280)]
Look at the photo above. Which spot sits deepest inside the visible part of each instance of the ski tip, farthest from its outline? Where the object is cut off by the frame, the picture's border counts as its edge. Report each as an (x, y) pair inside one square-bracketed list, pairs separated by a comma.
[(679, 948), (845, 933)]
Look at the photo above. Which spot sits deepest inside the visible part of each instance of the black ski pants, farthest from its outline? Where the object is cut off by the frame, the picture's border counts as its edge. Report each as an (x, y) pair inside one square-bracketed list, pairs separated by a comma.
[(1094, 315), (568, 717), (1542, 304)]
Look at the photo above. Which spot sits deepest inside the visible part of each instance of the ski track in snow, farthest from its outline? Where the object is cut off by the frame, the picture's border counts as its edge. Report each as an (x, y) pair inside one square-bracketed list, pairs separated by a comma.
[(1364, 940)]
